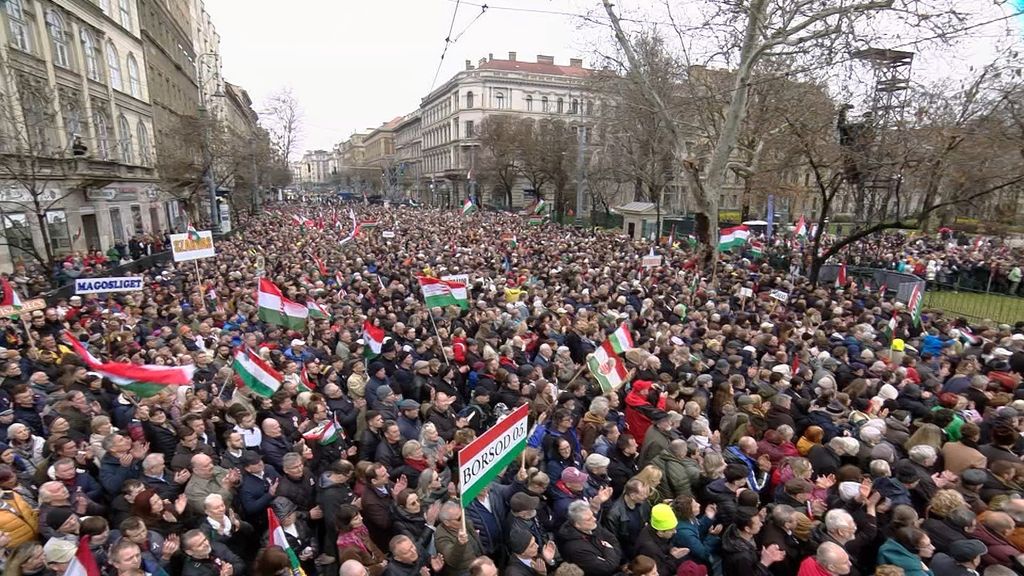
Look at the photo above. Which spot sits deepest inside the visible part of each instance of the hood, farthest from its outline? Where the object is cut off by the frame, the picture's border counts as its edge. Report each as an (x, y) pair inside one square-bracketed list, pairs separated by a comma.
[(638, 394)]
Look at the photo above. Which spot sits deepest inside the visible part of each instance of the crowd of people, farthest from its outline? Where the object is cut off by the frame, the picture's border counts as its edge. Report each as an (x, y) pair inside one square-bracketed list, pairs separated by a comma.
[(752, 436)]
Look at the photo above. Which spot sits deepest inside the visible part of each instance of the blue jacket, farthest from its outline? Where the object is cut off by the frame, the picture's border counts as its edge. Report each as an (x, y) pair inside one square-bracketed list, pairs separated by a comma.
[(254, 496), (489, 524), (933, 345), (113, 475), (892, 552), (694, 535)]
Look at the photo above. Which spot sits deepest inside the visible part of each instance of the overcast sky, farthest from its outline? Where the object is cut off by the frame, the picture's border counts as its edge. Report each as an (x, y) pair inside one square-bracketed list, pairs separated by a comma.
[(355, 64)]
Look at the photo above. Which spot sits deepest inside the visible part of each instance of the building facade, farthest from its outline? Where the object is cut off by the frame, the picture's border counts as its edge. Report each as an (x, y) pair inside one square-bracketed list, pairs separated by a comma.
[(77, 129), (408, 152), (452, 113)]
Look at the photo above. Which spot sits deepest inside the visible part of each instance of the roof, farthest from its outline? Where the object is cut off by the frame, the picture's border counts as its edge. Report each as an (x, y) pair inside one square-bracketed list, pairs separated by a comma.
[(636, 207), (535, 68)]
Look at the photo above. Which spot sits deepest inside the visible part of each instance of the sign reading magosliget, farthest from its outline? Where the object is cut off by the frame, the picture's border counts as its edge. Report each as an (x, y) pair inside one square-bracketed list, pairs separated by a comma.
[(193, 246), (488, 456), (94, 285)]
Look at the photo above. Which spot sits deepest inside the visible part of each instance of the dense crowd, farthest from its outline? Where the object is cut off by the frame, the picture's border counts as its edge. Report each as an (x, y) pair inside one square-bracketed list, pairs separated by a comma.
[(752, 436)]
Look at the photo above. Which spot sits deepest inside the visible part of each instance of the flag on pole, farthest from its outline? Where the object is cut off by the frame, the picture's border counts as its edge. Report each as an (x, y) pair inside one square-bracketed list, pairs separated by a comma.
[(436, 293), (882, 290), (459, 293), (274, 308), (801, 228), (672, 237), (84, 563), (305, 384), (894, 321), (9, 296), (915, 303), (621, 340), (606, 367), (733, 237), (279, 539), (757, 250), (468, 207), (193, 234), (483, 459), (325, 434), (540, 206), (256, 374), (373, 338), (143, 380), (841, 276)]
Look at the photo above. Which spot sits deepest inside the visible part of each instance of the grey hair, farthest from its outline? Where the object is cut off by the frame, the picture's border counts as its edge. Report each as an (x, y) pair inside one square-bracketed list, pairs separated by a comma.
[(837, 519), (450, 511), (599, 405), (700, 429), (355, 567), (411, 446), (152, 460), (782, 513), (828, 553), (847, 446), (786, 431), (291, 459), (211, 498), (781, 400), (922, 453), (880, 469), (678, 447), (871, 435), (576, 511)]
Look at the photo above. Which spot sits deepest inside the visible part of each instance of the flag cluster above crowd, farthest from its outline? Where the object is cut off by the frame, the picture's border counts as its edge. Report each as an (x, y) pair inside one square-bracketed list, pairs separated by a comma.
[(351, 389)]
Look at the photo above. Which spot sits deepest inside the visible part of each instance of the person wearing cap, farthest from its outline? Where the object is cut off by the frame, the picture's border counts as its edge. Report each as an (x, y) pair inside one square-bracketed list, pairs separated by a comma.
[(257, 489), (58, 554), (962, 558), (297, 351), (528, 558), (570, 488), (596, 467), (297, 532), (655, 540), (409, 423), (658, 436), (522, 514), (377, 377)]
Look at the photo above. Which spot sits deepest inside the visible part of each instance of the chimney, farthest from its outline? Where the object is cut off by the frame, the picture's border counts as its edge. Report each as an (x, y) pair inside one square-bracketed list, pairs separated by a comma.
[(542, 59), (575, 62), (490, 57), (482, 62), (511, 56), (469, 65)]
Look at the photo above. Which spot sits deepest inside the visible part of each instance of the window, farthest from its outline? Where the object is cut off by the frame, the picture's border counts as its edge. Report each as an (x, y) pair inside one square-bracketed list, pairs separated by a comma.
[(499, 101), (561, 105), (126, 140), (38, 117), (102, 135), (18, 234), (114, 67), (92, 55), (72, 123), (134, 84), (19, 28), (529, 103), (469, 99), (57, 230), (59, 37), (544, 104), (469, 129), (125, 10), (143, 144), (574, 108), (137, 219), (116, 225), (590, 107), (105, 6)]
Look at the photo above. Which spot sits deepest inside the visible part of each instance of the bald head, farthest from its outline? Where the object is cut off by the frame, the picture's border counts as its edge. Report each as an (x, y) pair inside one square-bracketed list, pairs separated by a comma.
[(833, 558), (271, 427)]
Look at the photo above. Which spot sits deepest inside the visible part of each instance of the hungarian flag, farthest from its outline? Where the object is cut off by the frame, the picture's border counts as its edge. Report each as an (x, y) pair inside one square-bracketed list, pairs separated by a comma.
[(143, 380), (459, 293), (915, 304), (801, 228), (620, 340), (733, 237), (278, 538), (795, 366), (841, 276), (274, 308), (468, 207), (540, 207), (373, 337), (325, 434), (757, 250), (436, 293), (256, 374), (882, 290), (193, 234), (320, 266), (672, 237), (535, 221), (84, 563), (606, 367), (305, 384), (890, 327), (317, 311), (9, 296)]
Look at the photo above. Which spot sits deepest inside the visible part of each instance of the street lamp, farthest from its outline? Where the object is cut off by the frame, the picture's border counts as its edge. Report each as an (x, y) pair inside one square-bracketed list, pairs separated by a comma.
[(208, 174)]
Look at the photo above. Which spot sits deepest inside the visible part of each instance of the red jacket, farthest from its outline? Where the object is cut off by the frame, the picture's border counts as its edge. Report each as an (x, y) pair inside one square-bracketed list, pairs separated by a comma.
[(459, 350), (639, 409), (810, 567)]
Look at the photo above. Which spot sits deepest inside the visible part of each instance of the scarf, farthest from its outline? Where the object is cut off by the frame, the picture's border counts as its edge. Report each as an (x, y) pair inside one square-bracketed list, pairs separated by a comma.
[(354, 538), (418, 465)]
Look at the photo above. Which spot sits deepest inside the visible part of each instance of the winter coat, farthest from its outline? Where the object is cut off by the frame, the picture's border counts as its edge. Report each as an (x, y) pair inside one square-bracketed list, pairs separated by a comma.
[(658, 549), (17, 518), (678, 474), (626, 523), (740, 557), (457, 557), (892, 552), (597, 553)]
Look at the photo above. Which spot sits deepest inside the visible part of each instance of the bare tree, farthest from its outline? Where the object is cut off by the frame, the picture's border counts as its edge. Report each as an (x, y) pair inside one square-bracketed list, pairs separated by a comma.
[(32, 160), (498, 162), (282, 118)]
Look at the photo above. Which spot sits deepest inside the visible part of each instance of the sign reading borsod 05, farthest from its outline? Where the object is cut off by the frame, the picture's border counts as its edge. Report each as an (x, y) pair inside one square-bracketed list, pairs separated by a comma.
[(97, 285), (193, 245)]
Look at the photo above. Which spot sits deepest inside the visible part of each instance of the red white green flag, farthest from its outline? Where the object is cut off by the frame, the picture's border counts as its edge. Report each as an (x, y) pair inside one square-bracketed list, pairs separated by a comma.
[(274, 308), (621, 340), (606, 367), (436, 293), (279, 539), (915, 304), (373, 337), (143, 380), (256, 374)]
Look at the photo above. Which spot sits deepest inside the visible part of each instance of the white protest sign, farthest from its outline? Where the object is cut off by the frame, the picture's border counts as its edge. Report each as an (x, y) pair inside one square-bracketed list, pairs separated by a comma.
[(96, 285), (387, 234), (746, 292), (185, 247), (780, 295), (651, 261)]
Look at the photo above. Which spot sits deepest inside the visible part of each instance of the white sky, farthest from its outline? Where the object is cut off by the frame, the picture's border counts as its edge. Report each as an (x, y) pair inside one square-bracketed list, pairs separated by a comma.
[(355, 64)]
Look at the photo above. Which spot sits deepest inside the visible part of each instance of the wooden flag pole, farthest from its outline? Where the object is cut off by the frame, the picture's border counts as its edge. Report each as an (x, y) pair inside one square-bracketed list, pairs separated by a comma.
[(432, 323)]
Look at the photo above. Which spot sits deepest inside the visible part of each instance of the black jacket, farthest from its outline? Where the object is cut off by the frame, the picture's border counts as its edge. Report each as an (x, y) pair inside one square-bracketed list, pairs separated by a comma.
[(598, 554), (740, 557), (658, 549)]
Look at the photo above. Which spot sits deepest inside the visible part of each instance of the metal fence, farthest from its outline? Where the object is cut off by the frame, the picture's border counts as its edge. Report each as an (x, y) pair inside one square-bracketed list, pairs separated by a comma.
[(974, 304), (131, 268)]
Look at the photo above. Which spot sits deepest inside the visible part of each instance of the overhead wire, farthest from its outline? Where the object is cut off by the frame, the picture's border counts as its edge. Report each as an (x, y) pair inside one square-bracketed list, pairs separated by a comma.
[(447, 43)]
